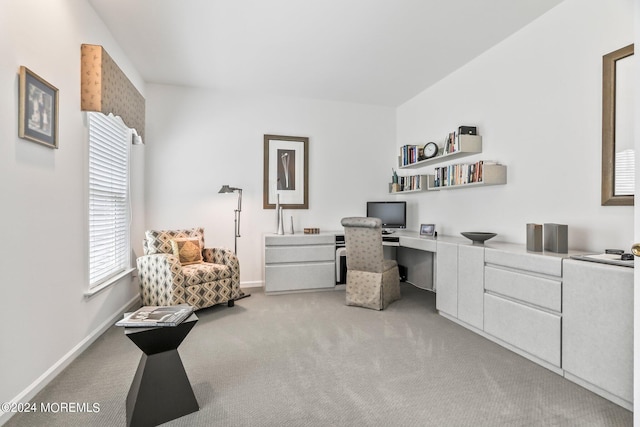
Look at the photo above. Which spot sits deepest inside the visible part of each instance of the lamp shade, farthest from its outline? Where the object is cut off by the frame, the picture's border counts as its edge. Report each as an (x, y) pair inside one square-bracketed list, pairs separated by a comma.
[(226, 189)]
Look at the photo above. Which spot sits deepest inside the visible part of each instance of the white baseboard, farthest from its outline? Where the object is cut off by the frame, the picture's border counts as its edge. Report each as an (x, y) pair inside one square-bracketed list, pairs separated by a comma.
[(553, 368), (600, 392), (34, 388), (254, 284)]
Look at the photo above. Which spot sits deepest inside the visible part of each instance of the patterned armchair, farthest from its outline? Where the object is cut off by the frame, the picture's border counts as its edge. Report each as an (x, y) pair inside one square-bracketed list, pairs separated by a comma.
[(372, 281), (176, 269)]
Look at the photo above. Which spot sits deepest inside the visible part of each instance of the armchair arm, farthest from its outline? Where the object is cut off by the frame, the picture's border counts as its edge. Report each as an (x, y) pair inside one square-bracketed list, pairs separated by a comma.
[(160, 276), (225, 257), (219, 256)]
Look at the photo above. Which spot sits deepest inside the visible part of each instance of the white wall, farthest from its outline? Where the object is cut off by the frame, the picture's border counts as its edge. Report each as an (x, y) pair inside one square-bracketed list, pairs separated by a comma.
[(198, 140), (43, 256), (636, 275), (536, 99)]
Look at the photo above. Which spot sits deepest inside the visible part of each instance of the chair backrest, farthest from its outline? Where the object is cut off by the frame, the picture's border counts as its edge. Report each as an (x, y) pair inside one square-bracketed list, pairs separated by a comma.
[(159, 241), (363, 240)]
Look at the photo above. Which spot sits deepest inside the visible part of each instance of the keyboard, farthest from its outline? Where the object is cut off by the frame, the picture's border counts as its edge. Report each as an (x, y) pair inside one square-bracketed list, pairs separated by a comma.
[(390, 239)]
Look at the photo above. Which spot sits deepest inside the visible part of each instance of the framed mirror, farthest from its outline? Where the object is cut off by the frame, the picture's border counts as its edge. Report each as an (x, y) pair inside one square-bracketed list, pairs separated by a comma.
[(618, 155)]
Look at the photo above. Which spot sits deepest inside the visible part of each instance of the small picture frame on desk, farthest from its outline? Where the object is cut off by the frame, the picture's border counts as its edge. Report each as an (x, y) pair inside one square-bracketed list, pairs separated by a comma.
[(427, 230)]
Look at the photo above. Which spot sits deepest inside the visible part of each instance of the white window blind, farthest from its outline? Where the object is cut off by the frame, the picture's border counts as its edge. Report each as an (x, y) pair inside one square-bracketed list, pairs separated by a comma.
[(109, 142), (625, 173)]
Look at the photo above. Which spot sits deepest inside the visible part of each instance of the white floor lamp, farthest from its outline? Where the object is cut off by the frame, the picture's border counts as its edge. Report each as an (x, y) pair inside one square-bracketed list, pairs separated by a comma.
[(236, 222)]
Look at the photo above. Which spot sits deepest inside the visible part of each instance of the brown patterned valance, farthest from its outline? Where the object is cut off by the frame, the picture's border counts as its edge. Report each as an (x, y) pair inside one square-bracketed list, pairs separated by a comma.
[(105, 88)]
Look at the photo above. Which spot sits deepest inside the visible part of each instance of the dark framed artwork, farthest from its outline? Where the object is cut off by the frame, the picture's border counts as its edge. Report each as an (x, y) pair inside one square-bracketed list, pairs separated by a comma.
[(38, 109), (286, 172)]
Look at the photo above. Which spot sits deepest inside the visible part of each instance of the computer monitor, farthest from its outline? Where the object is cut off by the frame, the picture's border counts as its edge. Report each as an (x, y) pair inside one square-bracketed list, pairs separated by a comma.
[(392, 214)]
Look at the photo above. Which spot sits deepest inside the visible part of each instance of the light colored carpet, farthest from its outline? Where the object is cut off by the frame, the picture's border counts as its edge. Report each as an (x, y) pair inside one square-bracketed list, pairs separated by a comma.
[(309, 360)]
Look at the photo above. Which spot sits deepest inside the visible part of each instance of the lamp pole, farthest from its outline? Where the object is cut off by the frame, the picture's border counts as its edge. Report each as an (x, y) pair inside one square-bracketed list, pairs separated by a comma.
[(236, 226), (236, 221)]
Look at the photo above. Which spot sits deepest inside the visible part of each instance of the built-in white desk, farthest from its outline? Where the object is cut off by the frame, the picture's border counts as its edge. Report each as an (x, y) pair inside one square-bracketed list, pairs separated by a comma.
[(289, 258), (415, 256)]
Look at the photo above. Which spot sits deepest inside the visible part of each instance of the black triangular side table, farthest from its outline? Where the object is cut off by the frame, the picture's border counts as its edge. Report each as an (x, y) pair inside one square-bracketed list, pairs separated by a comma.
[(160, 390)]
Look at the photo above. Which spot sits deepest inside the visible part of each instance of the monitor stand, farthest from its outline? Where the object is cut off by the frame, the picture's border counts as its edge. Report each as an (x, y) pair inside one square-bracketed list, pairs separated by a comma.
[(386, 231)]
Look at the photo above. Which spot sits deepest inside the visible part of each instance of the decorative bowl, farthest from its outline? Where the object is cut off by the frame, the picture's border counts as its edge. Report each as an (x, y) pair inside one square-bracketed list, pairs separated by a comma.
[(478, 236)]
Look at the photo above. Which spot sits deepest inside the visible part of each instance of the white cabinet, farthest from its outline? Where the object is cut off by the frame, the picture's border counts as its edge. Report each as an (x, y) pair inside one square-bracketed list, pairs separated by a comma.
[(299, 262), (573, 317), (471, 285), (460, 282), (447, 278), (523, 303), (597, 329)]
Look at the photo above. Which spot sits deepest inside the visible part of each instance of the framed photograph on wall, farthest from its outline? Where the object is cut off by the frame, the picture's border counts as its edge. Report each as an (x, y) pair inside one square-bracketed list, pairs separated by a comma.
[(38, 109), (286, 172)]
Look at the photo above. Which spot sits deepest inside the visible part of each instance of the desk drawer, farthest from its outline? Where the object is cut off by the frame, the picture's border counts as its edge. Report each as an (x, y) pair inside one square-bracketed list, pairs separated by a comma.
[(299, 239), (287, 277), (534, 331), (534, 290), (280, 254), (544, 264)]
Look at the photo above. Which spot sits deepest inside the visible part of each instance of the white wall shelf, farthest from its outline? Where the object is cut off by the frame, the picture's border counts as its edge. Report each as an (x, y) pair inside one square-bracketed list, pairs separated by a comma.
[(492, 175), (469, 145), (423, 185)]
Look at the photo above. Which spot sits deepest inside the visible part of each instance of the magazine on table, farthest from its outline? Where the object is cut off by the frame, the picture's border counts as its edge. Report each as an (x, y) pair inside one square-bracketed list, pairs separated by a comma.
[(150, 316)]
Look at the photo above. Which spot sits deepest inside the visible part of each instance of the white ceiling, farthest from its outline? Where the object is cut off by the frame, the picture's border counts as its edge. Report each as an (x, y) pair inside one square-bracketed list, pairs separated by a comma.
[(365, 51)]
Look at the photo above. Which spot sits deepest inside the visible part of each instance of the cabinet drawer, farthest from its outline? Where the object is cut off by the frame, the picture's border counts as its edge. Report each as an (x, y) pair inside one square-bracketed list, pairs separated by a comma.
[(534, 331), (279, 254), (545, 264), (299, 239), (283, 277), (535, 290)]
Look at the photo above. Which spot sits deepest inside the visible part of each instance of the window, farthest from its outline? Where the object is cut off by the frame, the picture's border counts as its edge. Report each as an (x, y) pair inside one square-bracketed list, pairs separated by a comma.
[(109, 148), (625, 173)]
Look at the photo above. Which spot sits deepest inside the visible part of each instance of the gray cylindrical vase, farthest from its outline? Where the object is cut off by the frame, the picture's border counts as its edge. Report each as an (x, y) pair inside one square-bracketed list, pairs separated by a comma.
[(277, 212), (280, 221)]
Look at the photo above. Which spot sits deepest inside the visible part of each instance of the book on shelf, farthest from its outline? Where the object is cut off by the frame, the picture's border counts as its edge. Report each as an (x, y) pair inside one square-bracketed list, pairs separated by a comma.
[(410, 154), (152, 316), (452, 143), (459, 174), (409, 183)]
